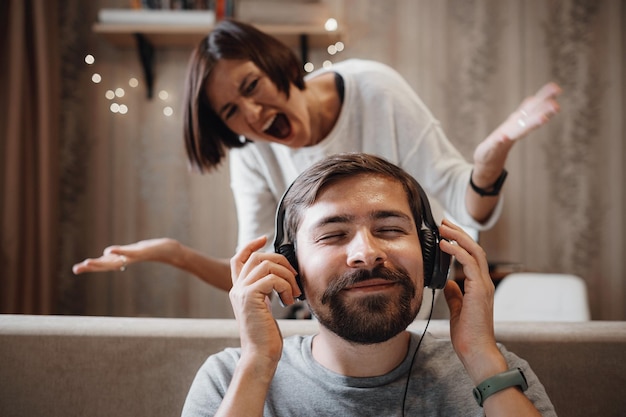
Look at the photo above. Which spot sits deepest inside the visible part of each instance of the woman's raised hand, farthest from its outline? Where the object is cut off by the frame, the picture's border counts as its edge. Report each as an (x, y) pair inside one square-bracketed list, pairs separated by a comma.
[(118, 257)]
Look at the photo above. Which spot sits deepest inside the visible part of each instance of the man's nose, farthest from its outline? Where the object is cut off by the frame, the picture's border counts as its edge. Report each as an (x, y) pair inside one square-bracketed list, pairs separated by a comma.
[(365, 251)]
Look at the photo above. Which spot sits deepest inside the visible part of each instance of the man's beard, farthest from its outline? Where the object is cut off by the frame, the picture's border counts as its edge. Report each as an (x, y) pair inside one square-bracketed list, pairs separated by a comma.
[(372, 318)]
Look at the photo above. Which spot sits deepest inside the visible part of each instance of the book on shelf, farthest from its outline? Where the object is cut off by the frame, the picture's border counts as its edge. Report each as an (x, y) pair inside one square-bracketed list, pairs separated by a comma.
[(275, 11), (156, 16), (223, 8), (171, 4)]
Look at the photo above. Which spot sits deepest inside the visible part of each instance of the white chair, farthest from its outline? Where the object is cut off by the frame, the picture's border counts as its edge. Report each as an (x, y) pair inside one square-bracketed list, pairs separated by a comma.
[(541, 297)]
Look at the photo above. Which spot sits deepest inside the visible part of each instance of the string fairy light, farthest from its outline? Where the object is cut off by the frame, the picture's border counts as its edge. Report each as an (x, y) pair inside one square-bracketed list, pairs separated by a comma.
[(330, 25)]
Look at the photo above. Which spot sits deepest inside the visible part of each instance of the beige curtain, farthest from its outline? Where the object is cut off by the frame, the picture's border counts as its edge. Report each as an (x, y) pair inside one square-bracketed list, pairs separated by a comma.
[(473, 61), (29, 156)]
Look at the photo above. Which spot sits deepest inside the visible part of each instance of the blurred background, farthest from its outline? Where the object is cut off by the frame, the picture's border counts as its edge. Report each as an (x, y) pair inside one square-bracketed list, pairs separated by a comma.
[(89, 160)]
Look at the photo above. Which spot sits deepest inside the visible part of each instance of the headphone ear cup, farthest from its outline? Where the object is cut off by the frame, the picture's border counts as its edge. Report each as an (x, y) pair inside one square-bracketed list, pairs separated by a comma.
[(442, 269), (288, 251), (428, 241)]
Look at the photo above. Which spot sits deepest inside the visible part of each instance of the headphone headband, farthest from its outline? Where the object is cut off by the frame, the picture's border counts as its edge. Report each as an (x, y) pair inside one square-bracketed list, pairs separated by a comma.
[(279, 226)]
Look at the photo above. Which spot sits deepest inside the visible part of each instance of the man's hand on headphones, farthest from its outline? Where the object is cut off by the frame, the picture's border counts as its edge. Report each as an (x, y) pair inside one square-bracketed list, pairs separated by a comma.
[(471, 314), (256, 275)]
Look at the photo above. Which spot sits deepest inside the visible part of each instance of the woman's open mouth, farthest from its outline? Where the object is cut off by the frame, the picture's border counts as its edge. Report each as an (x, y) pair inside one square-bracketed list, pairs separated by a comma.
[(279, 127)]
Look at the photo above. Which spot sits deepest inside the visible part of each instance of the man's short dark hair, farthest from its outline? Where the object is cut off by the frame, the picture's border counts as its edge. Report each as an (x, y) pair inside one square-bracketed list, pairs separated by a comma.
[(306, 188)]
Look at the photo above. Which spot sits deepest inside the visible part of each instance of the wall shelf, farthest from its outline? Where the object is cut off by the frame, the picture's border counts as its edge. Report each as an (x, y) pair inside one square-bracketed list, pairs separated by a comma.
[(147, 37), (179, 36)]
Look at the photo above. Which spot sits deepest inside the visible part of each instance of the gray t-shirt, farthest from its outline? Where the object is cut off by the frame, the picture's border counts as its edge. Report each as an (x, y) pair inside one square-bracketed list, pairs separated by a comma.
[(438, 385)]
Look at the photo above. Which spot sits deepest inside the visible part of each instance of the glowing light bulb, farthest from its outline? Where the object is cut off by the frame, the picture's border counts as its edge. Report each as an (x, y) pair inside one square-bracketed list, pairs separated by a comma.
[(109, 94), (163, 95), (89, 59), (309, 67), (96, 78), (133, 82), (168, 111), (119, 92), (330, 25)]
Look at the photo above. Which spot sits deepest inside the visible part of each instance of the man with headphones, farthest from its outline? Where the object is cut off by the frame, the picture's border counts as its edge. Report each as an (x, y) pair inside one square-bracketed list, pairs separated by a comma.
[(355, 236)]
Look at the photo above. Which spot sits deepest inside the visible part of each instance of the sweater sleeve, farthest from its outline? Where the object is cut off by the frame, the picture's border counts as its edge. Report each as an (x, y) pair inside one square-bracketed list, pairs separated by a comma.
[(427, 154), (445, 175), (253, 197)]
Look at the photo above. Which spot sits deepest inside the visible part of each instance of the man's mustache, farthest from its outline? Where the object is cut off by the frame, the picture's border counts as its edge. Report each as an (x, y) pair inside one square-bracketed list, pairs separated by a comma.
[(353, 277)]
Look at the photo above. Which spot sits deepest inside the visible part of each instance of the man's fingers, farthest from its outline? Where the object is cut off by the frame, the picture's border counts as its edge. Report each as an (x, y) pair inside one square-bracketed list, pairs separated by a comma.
[(249, 266), (454, 299), (238, 261), (467, 252)]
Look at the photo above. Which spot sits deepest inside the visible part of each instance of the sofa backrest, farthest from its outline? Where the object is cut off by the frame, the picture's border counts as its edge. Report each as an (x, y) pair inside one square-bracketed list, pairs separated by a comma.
[(96, 366)]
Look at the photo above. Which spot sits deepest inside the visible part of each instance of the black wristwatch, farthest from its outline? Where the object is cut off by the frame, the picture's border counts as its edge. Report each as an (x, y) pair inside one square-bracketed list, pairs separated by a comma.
[(511, 378), (494, 189)]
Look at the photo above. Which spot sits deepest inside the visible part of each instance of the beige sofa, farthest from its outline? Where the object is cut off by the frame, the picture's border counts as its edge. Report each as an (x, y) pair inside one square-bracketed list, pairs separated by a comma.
[(96, 366)]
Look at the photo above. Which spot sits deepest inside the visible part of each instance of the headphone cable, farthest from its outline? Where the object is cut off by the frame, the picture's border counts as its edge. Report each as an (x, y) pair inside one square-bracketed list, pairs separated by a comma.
[(408, 377)]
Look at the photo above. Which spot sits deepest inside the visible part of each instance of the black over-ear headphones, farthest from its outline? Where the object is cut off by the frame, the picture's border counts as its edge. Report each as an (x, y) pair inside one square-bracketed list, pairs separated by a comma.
[(288, 250), (436, 262)]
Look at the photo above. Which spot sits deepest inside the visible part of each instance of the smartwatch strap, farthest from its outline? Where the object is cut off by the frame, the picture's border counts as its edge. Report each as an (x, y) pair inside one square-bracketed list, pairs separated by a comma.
[(511, 378)]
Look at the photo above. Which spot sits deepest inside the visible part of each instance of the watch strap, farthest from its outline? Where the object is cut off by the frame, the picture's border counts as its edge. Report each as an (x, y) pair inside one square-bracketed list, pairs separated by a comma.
[(494, 189), (511, 378)]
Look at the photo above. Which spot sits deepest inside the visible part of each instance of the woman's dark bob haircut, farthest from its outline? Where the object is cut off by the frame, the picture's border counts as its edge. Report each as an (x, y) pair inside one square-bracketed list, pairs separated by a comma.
[(206, 136)]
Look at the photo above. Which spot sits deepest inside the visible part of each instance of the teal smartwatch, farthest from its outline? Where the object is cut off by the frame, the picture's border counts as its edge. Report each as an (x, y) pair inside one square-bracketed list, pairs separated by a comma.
[(511, 378)]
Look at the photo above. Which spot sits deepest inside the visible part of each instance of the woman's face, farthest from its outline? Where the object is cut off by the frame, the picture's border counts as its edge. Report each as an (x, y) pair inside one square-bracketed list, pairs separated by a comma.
[(249, 103)]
